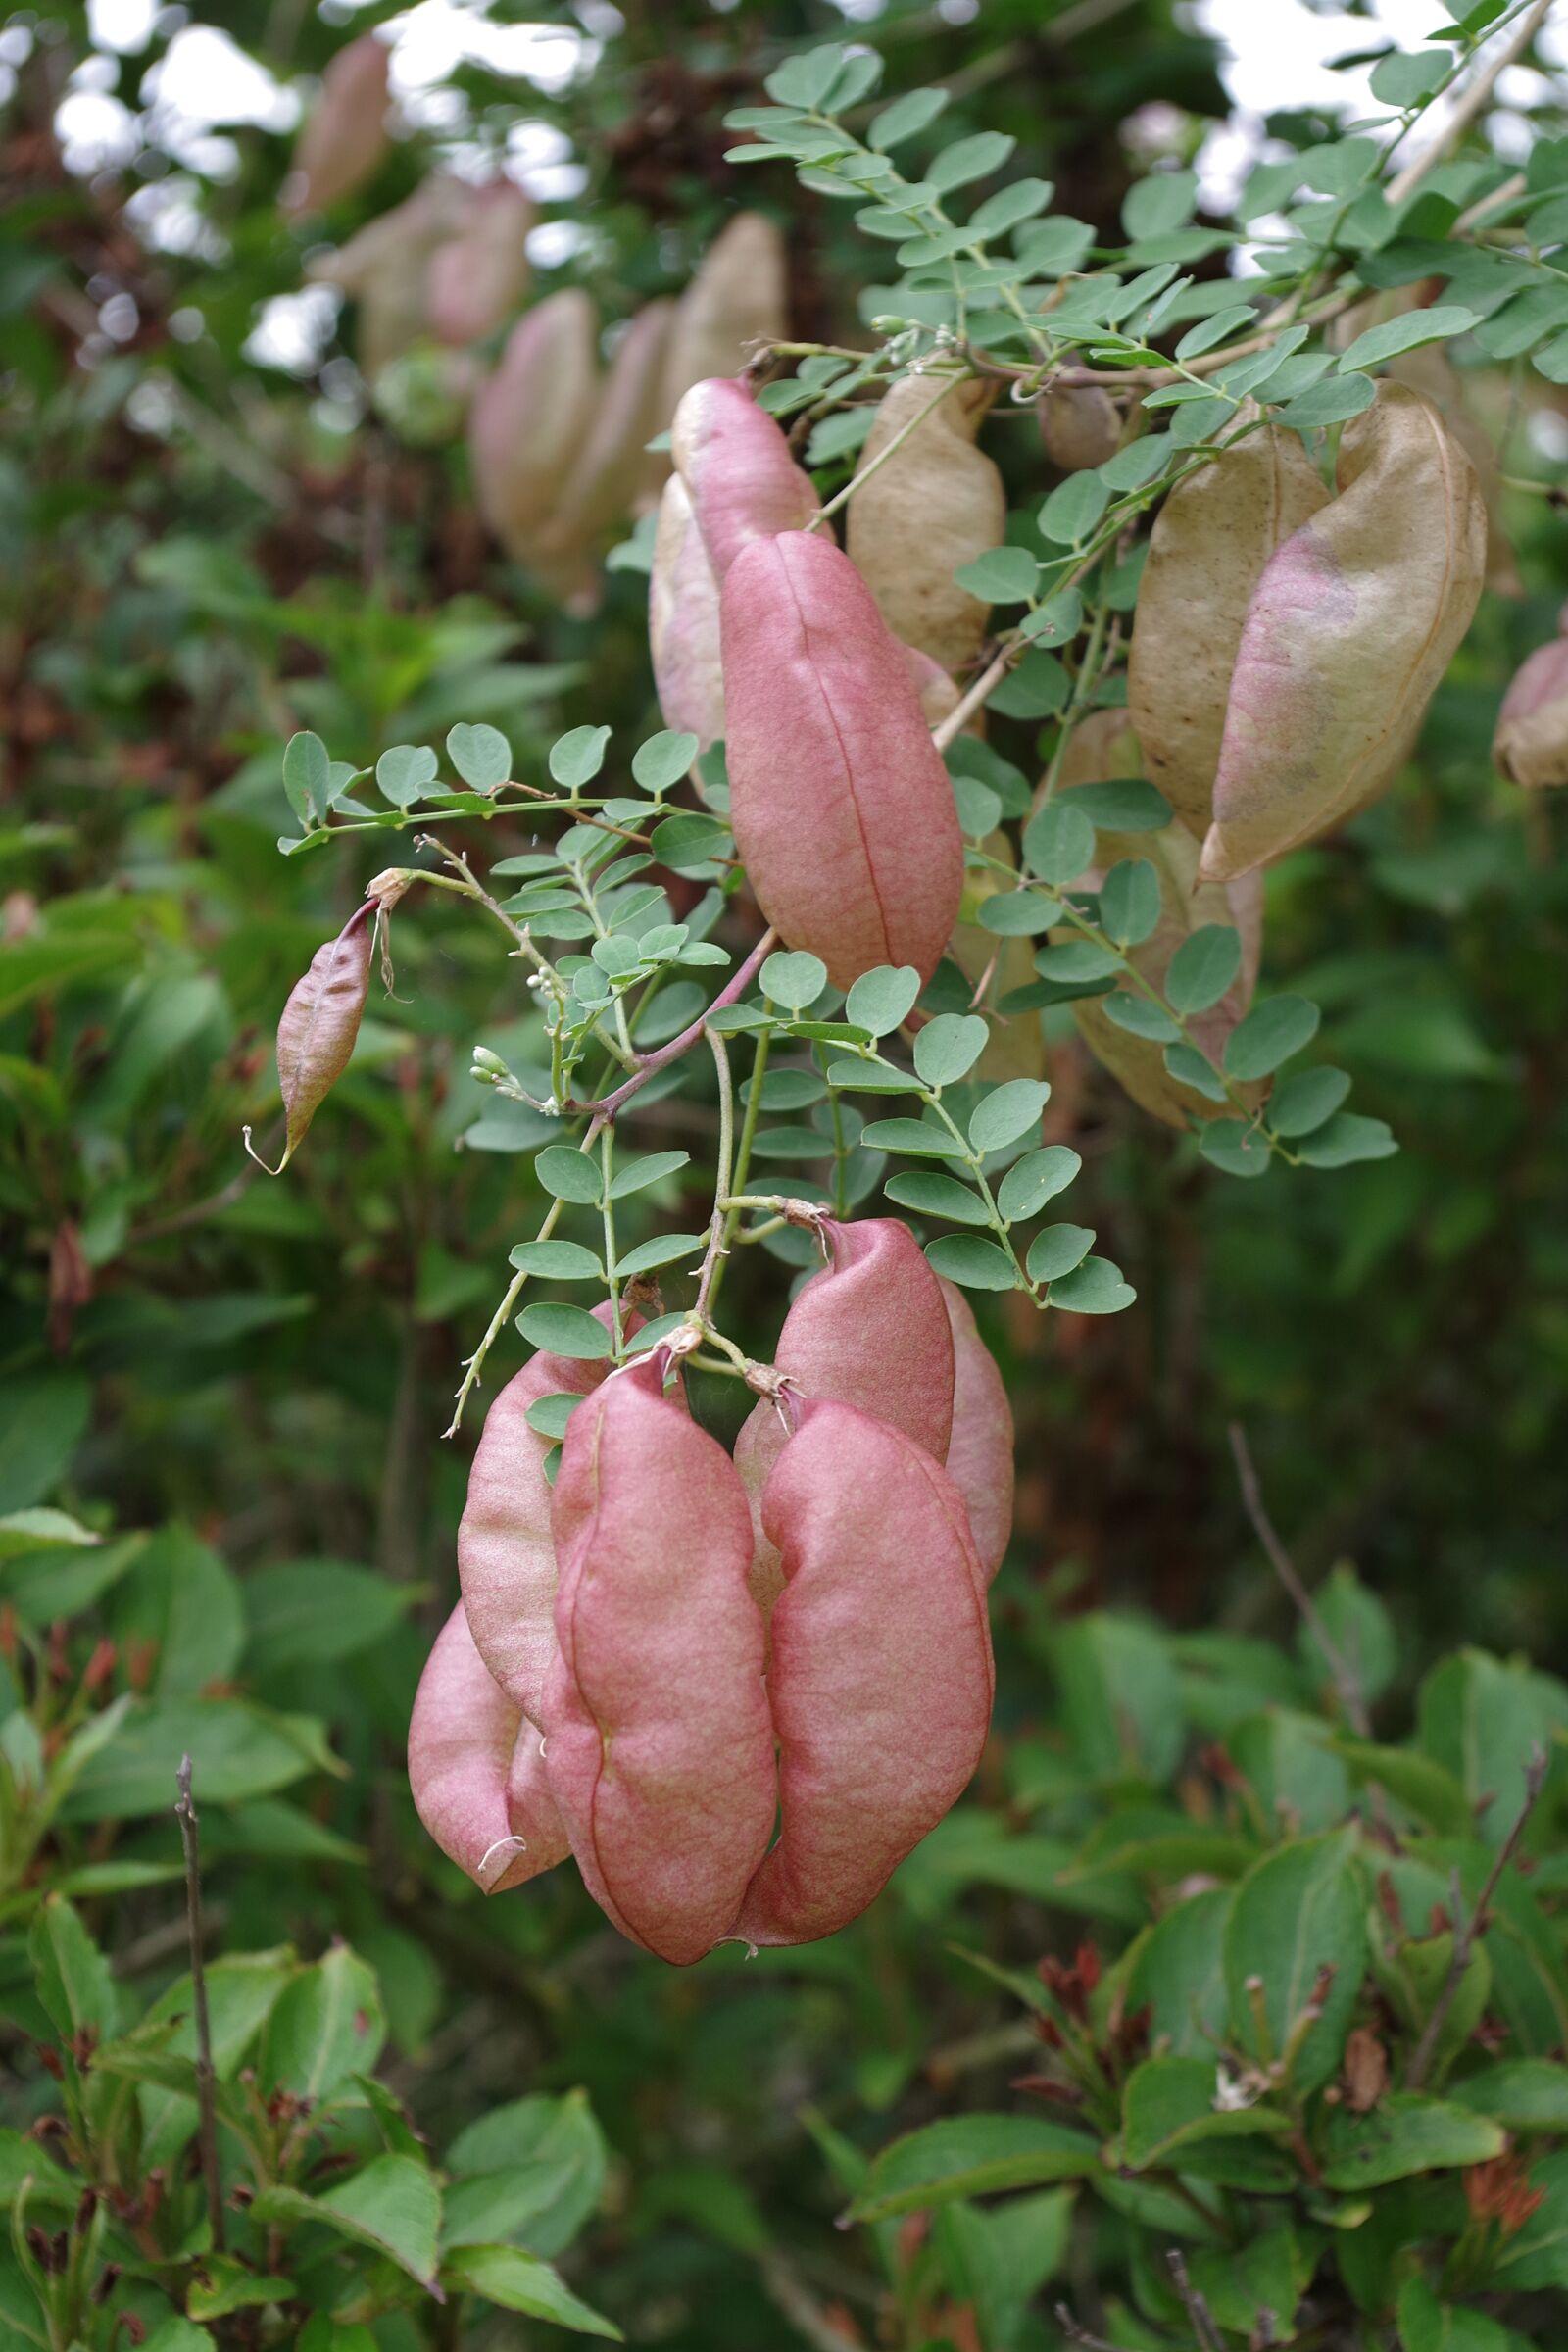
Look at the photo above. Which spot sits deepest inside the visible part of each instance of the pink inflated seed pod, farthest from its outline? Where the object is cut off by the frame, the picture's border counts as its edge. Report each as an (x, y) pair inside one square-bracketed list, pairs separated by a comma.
[(498, 1824), (683, 622), (870, 1330), (477, 279), (881, 1678), (842, 811), (979, 1458), (659, 1746), (736, 464), (344, 135)]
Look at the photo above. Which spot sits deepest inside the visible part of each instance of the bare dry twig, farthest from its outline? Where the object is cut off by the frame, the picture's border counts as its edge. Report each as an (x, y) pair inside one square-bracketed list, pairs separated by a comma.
[(1466, 1931), (206, 2080)]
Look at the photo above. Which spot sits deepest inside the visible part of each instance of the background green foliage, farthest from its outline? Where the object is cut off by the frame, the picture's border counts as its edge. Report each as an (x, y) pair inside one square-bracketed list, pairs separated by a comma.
[(226, 1521)]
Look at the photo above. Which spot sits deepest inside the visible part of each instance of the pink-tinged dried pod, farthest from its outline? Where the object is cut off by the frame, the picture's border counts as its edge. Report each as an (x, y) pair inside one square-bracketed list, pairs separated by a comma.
[(496, 1823), (939, 694), (842, 811), (936, 503), (319, 1025), (478, 278), (683, 635), (506, 1549), (1530, 744), (611, 465), (738, 299), (736, 465), (881, 1679), (659, 1746), (344, 135), (979, 1459), (870, 1330), (385, 269), (1350, 630), (1080, 427), (1206, 554), (530, 418)]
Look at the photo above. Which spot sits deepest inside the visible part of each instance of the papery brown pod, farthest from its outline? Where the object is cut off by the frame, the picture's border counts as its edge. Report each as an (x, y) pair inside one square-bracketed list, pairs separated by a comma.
[(683, 622), (478, 278), (1080, 427), (935, 504), (736, 465), (1213, 538), (842, 811), (320, 1023), (980, 1449), (386, 269), (506, 1548), (526, 426), (871, 1329), (881, 1679), (485, 1808), (659, 1746), (738, 297), (1530, 744), (344, 135), (1349, 632), (602, 484)]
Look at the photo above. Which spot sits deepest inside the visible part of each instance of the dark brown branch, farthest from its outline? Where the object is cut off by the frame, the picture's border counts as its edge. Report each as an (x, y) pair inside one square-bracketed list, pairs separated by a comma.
[(1466, 1931), (1192, 2303), (206, 2080)]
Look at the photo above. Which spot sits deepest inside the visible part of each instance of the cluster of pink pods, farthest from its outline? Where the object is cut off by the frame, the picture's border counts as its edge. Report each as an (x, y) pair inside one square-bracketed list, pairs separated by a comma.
[(738, 1690)]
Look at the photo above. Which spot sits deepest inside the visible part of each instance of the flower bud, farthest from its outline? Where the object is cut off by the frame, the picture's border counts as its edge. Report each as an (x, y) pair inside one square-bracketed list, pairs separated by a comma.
[(659, 1747), (842, 811), (935, 504), (344, 135), (1530, 745), (496, 1823), (881, 1679)]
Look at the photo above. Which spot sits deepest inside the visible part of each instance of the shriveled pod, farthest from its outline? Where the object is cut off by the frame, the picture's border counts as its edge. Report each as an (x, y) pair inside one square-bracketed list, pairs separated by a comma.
[(478, 278), (739, 298), (1349, 632), (490, 1815), (344, 135), (935, 504), (506, 1549), (979, 1458), (870, 1330), (1211, 541), (736, 465), (881, 1678), (526, 426), (842, 811), (659, 1747), (1080, 427), (320, 1023), (683, 625), (609, 466), (386, 269), (1530, 744)]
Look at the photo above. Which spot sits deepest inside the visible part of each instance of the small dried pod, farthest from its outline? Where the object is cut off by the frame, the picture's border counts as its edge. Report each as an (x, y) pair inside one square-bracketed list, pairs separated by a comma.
[(478, 278), (1530, 744), (738, 299), (525, 426), (881, 1678), (319, 1025), (842, 811), (1211, 541), (613, 461), (870, 1330), (1350, 630), (659, 1746), (506, 1549), (736, 465), (935, 504), (683, 623), (344, 135), (979, 1456), (1080, 427), (493, 1820)]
